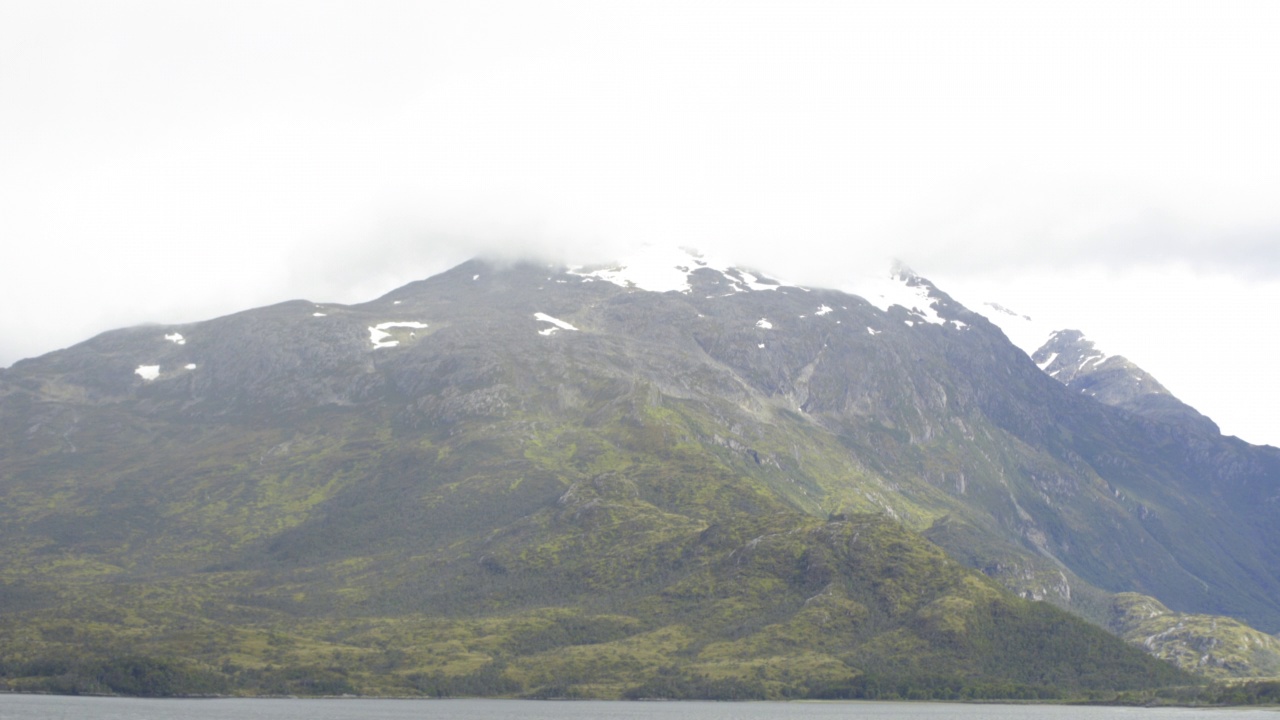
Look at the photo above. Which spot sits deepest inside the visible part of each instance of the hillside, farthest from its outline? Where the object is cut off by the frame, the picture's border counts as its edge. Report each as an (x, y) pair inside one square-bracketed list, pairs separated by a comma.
[(508, 479)]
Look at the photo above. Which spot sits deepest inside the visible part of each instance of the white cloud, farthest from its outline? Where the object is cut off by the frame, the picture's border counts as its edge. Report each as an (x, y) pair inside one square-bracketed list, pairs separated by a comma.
[(171, 162)]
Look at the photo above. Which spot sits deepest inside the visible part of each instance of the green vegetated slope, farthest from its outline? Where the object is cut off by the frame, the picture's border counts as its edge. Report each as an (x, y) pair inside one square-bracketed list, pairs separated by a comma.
[(1217, 647), (672, 499), (656, 577)]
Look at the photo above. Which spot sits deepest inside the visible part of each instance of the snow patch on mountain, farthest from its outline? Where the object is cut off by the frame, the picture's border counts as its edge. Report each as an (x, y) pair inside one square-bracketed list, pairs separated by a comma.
[(886, 291), (378, 333), (657, 269), (764, 324), (176, 338), (741, 280), (665, 269), (1092, 360), (558, 323), (148, 372)]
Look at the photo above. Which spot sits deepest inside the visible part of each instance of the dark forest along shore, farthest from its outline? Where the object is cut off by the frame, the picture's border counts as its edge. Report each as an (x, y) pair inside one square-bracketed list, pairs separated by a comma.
[(51, 707)]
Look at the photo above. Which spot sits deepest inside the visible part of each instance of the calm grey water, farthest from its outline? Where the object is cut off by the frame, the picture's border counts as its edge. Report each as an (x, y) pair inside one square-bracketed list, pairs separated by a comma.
[(47, 707)]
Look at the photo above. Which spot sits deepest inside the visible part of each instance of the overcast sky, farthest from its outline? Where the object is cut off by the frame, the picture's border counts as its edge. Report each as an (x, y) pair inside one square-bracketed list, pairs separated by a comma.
[(1112, 166)]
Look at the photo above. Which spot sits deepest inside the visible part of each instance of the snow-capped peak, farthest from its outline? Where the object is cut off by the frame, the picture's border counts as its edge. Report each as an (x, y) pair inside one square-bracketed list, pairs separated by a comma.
[(665, 269), (900, 287)]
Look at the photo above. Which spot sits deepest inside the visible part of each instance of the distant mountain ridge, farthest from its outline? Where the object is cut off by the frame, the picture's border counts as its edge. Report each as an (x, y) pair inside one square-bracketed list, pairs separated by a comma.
[(506, 450), (1073, 360)]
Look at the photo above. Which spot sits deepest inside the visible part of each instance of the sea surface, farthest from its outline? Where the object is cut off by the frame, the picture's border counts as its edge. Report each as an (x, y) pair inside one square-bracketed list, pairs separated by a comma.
[(52, 707)]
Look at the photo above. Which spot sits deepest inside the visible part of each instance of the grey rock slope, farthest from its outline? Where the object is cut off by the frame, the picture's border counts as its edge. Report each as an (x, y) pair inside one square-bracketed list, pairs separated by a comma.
[(1076, 362)]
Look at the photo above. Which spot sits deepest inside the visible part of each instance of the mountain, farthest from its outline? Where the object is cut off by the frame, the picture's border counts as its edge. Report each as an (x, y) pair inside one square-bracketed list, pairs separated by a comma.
[(1074, 361), (1210, 645), (669, 478)]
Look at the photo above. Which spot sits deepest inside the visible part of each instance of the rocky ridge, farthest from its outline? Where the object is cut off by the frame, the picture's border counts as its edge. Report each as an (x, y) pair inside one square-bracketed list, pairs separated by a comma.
[(1073, 360)]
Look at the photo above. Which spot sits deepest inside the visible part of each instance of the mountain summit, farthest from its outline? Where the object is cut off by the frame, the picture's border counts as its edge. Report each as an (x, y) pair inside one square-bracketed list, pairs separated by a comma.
[(1074, 361), (661, 477)]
